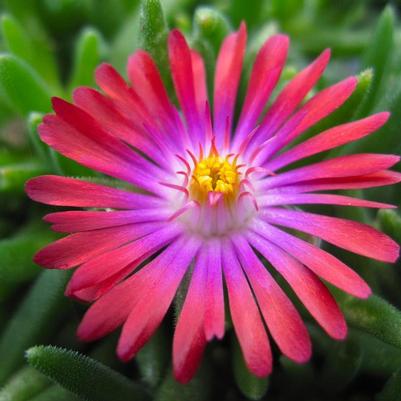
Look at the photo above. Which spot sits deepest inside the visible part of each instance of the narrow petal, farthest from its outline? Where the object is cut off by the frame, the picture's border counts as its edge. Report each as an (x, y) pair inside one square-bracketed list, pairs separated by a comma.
[(319, 261), (281, 317), (214, 294), (226, 82), (265, 73), (329, 139), (280, 199), (80, 247), (131, 255), (76, 221), (63, 191), (379, 179), (320, 106), (343, 166), (189, 337), (156, 298), (113, 308), (200, 88), (310, 290), (351, 235), (182, 72), (292, 95), (245, 315)]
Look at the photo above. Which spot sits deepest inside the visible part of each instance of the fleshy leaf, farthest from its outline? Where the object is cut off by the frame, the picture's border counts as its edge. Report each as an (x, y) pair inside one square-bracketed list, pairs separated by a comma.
[(84, 376), (35, 320), (22, 87)]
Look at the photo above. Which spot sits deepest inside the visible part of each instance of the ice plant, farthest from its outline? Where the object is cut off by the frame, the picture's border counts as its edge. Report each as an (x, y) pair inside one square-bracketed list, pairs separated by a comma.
[(205, 196)]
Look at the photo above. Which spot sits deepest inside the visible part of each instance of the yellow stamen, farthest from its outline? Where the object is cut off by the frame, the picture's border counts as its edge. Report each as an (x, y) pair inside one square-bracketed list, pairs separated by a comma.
[(214, 174)]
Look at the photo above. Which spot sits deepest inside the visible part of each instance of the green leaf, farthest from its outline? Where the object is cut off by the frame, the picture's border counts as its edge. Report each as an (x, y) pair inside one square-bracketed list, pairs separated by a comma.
[(211, 26), (254, 388), (33, 51), (84, 376), (24, 385), (35, 320), (374, 316), (378, 56), (56, 393), (22, 87), (13, 176), (16, 255), (153, 36), (88, 54), (390, 223), (153, 357), (250, 11), (392, 389), (198, 389)]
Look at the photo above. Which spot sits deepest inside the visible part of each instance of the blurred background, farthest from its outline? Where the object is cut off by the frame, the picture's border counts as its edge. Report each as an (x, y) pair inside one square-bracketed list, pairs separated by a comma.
[(49, 47)]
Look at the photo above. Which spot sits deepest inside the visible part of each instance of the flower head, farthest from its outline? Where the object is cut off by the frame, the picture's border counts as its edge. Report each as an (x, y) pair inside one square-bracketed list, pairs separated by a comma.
[(204, 195)]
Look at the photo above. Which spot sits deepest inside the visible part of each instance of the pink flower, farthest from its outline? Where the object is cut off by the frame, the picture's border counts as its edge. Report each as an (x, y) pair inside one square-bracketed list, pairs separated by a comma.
[(201, 194)]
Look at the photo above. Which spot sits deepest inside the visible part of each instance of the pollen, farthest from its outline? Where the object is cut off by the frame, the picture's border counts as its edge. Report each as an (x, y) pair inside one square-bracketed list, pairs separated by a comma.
[(215, 174)]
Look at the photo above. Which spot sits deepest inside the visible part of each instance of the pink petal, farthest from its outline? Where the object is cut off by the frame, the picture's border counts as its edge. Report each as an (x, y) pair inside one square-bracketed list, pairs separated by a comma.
[(108, 264), (319, 261), (189, 337), (320, 106), (226, 82), (64, 191), (183, 78), (329, 139), (310, 290), (200, 88), (80, 247), (379, 179), (245, 315), (109, 117), (279, 199), (292, 95), (156, 298), (76, 221), (343, 166), (281, 317), (214, 295), (113, 308), (351, 235), (265, 74)]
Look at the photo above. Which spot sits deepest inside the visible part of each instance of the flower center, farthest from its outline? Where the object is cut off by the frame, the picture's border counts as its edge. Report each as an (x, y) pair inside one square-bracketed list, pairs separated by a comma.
[(215, 174)]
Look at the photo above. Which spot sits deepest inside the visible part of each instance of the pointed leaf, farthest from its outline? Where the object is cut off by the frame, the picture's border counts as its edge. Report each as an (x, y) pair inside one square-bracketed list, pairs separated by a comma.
[(84, 376), (35, 320), (22, 87)]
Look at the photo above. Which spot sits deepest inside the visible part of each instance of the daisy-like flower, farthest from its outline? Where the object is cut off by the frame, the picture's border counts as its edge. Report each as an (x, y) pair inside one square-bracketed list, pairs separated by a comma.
[(205, 196)]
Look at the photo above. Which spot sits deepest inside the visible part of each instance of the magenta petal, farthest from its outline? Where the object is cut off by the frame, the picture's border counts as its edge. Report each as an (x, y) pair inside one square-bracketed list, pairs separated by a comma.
[(75, 221), (226, 82), (245, 315), (156, 298), (214, 294), (292, 95), (129, 256), (189, 337), (310, 290), (265, 73), (281, 317), (351, 235), (80, 247), (182, 72), (63, 191), (331, 138), (379, 179), (342, 166), (281, 199), (319, 261)]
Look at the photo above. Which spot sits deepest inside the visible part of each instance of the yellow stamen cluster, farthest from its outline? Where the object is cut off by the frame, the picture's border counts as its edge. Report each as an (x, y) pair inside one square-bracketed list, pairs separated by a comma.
[(214, 174)]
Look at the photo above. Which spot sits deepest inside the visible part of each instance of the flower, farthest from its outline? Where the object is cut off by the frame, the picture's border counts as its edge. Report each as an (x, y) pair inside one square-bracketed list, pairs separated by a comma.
[(201, 195)]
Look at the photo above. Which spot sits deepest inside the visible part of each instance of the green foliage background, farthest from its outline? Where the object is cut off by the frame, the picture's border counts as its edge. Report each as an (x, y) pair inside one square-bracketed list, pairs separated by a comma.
[(48, 47)]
